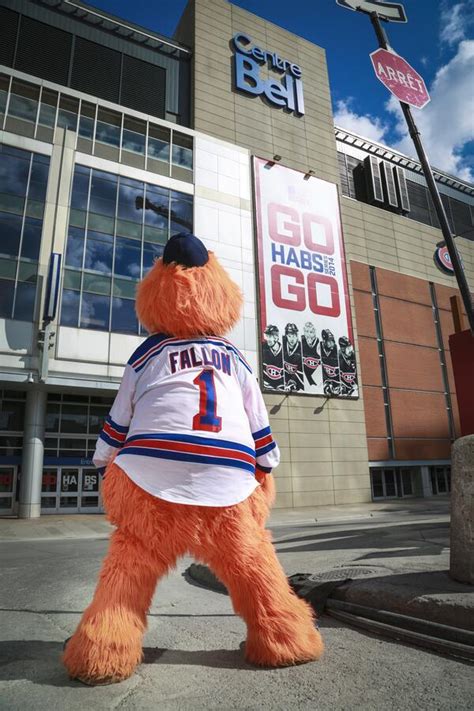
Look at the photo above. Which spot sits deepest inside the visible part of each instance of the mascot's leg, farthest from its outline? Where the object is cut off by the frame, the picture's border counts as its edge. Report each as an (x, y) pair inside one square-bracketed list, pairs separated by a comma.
[(107, 645), (280, 627)]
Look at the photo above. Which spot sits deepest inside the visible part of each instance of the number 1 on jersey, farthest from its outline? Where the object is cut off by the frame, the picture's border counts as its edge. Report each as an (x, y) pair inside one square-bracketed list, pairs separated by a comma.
[(207, 419)]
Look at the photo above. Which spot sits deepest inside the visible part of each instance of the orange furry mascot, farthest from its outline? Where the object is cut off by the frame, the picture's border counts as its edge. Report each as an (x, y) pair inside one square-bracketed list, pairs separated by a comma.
[(188, 452)]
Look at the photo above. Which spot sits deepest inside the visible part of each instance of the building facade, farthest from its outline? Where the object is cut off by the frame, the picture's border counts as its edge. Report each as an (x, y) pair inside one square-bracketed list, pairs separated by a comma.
[(99, 168)]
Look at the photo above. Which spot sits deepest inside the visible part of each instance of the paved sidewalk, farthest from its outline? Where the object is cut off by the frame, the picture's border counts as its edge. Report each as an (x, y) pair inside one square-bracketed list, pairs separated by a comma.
[(95, 525)]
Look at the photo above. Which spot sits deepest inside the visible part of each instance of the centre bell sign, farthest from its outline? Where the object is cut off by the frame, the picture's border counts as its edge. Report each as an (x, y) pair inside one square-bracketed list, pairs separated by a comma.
[(248, 60)]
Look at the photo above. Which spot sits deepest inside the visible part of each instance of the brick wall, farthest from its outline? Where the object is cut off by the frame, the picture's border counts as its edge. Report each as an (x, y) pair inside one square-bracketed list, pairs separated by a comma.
[(410, 362)]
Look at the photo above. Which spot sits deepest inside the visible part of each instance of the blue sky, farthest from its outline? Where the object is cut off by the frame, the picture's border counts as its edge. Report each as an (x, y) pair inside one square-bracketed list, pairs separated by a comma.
[(438, 41)]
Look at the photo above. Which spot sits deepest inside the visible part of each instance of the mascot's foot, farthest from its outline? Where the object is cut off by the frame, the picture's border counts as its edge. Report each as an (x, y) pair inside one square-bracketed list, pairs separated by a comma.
[(100, 662), (265, 649)]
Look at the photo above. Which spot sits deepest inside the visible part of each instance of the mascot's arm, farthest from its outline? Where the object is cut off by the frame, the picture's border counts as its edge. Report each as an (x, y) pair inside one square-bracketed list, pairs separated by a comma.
[(266, 449), (115, 429)]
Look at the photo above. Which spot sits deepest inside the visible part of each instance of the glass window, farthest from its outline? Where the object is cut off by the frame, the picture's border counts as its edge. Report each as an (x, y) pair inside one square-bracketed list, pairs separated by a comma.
[(108, 127), (377, 486), (157, 207), (97, 415), (30, 245), (12, 415), (70, 308), (124, 319), (407, 482), (7, 292), (130, 200), (4, 84), (182, 150), (74, 418), (49, 483), (72, 280), (23, 100), (134, 135), (99, 251), (125, 288), (14, 169), (75, 247), (10, 229), (159, 143), (70, 447), (7, 268), (150, 253), (181, 213), (49, 102), (127, 258), (123, 248), (12, 203), (38, 180), (80, 189), (25, 300), (52, 417), (68, 110), (86, 121), (103, 193), (96, 284), (95, 311)]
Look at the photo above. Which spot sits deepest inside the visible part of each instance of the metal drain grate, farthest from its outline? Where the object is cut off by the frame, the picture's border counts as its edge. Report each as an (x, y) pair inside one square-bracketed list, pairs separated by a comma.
[(345, 573)]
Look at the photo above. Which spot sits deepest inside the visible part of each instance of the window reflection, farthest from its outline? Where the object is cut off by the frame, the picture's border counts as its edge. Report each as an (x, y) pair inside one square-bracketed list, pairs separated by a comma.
[(159, 143), (130, 201), (95, 311), (49, 102), (75, 247), (108, 127), (127, 258), (23, 101), (99, 250), (86, 121), (68, 110), (134, 135), (117, 249)]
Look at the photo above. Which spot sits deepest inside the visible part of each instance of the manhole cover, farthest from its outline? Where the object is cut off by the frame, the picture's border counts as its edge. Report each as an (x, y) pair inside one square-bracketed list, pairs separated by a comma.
[(345, 573)]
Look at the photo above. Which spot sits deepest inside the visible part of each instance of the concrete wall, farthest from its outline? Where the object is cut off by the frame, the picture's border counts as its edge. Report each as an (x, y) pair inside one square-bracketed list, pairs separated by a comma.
[(305, 142)]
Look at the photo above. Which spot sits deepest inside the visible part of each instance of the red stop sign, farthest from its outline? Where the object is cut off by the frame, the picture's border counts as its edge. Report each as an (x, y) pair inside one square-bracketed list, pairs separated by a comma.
[(400, 78)]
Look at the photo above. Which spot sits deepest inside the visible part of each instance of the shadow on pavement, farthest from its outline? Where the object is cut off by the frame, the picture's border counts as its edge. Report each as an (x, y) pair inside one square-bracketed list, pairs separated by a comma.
[(381, 538)]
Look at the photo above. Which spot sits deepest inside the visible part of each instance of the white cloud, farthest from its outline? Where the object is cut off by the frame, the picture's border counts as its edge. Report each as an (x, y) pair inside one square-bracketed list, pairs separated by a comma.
[(454, 22), (367, 126), (446, 123)]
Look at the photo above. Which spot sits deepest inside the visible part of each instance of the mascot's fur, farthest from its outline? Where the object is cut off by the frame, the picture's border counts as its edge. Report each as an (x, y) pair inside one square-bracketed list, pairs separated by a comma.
[(152, 533)]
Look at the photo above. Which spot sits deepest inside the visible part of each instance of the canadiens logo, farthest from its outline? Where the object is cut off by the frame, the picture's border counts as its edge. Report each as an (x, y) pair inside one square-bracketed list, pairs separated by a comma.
[(291, 368), (349, 378), (330, 370), (311, 362), (273, 372)]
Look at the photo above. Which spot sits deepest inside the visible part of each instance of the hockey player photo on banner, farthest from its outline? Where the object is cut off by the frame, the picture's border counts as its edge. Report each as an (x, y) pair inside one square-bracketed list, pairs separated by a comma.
[(307, 344)]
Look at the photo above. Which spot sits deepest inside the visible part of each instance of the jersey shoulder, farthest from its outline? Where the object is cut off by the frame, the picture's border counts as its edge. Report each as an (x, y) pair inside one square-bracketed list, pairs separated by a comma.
[(147, 349)]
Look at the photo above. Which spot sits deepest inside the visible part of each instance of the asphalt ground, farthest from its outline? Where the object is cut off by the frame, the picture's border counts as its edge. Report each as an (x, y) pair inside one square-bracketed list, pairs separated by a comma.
[(193, 656)]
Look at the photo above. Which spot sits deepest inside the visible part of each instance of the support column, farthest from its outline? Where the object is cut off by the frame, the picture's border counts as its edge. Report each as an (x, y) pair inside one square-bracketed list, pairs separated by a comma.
[(462, 510), (426, 481), (33, 448)]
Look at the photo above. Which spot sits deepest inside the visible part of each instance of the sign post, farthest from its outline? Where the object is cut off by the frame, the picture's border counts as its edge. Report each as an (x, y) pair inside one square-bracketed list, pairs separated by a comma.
[(409, 88)]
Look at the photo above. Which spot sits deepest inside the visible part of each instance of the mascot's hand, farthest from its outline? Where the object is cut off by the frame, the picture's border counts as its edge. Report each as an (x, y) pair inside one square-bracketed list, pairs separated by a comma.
[(267, 482)]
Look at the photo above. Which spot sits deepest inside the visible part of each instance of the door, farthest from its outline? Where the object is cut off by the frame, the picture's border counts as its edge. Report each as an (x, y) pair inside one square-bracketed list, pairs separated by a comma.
[(90, 501), (69, 490), (7, 490)]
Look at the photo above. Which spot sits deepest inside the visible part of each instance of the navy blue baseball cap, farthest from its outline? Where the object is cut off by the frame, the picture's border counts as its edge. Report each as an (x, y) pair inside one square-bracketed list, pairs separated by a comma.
[(186, 249)]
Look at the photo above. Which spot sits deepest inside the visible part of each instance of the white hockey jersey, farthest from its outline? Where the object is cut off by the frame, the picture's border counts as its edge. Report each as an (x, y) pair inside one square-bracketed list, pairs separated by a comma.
[(189, 424)]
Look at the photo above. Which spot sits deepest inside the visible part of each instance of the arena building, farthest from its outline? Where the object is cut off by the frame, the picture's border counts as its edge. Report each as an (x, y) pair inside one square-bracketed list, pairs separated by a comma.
[(112, 139)]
